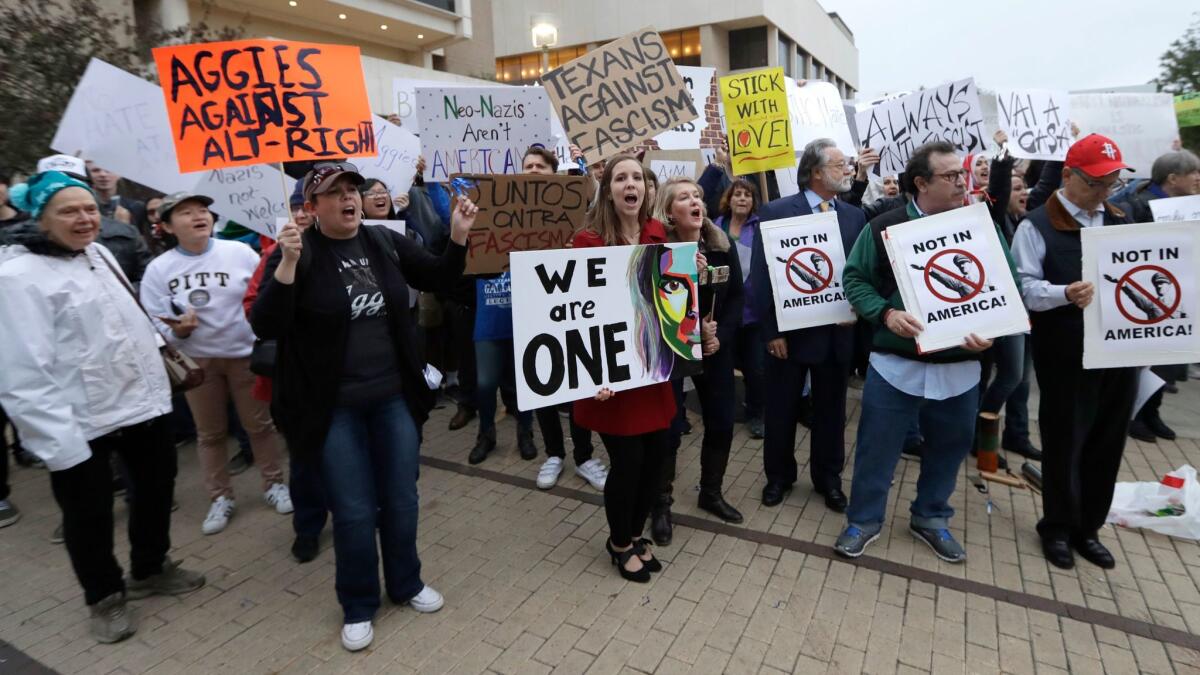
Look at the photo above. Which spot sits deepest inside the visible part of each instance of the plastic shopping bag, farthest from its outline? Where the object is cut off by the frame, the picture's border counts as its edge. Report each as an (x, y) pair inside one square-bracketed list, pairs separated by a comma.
[(1170, 506)]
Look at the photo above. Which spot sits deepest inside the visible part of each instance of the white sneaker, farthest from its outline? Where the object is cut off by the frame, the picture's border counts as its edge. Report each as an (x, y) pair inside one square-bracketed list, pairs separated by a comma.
[(356, 636), (594, 472), (218, 515), (548, 474), (428, 600), (280, 497)]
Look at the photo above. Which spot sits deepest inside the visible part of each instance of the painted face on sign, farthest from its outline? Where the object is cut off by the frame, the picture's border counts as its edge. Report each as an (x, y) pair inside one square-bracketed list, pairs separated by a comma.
[(676, 301)]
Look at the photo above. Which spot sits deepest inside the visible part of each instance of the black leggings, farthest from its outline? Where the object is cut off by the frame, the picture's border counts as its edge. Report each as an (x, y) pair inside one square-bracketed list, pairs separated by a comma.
[(633, 481)]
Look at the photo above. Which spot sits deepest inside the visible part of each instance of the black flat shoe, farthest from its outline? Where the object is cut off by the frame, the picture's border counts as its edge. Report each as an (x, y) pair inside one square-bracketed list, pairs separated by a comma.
[(619, 558), (484, 445), (1094, 552), (305, 548), (1058, 552), (835, 499), (773, 493), (1159, 428), (716, 505), (640, 545), (1139, 430), (1024, 449)]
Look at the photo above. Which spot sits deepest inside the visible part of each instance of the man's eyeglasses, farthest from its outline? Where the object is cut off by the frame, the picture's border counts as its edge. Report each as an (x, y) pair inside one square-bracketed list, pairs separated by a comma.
[(1092, 183), (952, 177)]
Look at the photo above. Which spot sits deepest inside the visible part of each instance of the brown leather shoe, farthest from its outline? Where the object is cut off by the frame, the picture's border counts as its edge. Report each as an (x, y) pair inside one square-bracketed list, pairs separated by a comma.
[(461, 417)]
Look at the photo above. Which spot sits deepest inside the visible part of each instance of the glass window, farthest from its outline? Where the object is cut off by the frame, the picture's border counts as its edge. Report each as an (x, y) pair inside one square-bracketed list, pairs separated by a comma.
[(785, 55), (817, 70), (748, 48)]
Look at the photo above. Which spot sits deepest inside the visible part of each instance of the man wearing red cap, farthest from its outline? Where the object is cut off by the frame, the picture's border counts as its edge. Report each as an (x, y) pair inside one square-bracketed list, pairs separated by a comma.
[(1084, 413)]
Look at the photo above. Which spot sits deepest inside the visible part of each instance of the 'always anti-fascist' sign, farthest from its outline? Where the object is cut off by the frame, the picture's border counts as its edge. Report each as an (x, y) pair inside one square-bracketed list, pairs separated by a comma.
[(955, 278), (1144, 309), (480, 129), (619, 95), (756, 120), (256, 101), (895, 128), (805, 258), (620, 317), (527, 212), (1036, 122)]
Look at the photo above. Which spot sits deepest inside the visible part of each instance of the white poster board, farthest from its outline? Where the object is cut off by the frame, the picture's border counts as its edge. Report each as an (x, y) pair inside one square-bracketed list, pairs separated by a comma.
[(817, 111), (119, 120), (396, 163), (480, 129), (895, 128), (1143, 125), (251, 196), (1144, 309), (954, 277), (686, 136), (581, 324), (393, 225), (805, 259), (667, 169), (1174, 209), (1037, 122), (404, 99)]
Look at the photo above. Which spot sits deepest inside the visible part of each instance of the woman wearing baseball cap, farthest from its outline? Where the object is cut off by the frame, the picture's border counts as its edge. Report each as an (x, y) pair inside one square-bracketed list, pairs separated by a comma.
[(349, 391), (82, 378)]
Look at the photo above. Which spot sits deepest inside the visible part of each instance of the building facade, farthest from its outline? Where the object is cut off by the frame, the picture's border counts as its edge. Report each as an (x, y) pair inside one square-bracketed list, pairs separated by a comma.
[(797, 35)]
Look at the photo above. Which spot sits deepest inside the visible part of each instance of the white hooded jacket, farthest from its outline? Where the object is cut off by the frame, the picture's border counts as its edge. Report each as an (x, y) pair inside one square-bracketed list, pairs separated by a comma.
[(78, 358)]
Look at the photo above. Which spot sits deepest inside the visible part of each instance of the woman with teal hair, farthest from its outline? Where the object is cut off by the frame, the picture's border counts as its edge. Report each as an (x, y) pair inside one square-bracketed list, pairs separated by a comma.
[(81, 377)]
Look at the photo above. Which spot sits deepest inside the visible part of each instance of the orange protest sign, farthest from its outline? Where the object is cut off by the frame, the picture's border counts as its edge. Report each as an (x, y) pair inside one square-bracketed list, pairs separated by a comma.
[(258, 101)]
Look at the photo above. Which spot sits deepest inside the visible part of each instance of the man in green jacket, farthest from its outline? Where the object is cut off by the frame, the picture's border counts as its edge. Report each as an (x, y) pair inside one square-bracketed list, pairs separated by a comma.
[(940, 388)]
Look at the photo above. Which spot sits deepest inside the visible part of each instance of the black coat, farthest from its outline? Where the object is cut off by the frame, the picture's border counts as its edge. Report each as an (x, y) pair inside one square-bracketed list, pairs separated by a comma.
[(310, 318), (807, 345)]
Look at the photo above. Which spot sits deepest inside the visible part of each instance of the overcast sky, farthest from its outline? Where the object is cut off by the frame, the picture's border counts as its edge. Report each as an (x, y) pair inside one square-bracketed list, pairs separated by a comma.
[(1047, 44)]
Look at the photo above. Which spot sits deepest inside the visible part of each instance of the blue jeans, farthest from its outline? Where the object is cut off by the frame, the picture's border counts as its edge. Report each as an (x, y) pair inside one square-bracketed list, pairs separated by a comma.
[(948, 427), (1016, 423), (494, 370), (369, 470), (1008, 354)]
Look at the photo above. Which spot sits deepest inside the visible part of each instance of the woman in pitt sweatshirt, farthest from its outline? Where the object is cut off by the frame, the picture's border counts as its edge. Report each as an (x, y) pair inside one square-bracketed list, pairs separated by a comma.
[(194, 291)]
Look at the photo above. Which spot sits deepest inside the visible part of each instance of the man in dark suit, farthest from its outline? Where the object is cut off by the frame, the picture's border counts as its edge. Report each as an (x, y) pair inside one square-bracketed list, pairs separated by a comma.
[(822, 352)]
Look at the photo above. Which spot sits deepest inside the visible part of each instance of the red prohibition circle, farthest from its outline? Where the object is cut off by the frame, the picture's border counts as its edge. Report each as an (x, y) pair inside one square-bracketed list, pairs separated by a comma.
[(977, 287), (1127, 278), (825, 280)]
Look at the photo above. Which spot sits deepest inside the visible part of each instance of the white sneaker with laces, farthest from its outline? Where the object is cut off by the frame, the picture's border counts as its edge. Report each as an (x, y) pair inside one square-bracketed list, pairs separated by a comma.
[(280, 497), (549, 473), (218, 515), (594, 472), (428, 600), (356, 636)]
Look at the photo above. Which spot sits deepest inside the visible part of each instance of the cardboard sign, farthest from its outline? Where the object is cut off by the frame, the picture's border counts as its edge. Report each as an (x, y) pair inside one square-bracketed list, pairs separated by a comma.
[(480, 129), (1037, 122), (816, 111), (805, 258), (1143, 125), (620, 317), (616, 96), (258, 101), (1144, 309), (668, 164), (117, 120), (1174, 209), (686, 136), (396, 161), (526, 212), (954, 277), (895, 128), (757, 125)]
